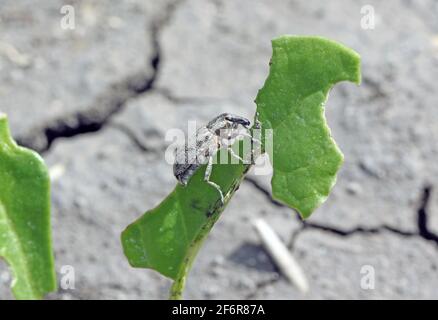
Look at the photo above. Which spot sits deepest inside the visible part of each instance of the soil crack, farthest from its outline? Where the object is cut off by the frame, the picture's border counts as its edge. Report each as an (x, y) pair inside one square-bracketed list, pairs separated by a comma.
[(108, 103), (422, 219)]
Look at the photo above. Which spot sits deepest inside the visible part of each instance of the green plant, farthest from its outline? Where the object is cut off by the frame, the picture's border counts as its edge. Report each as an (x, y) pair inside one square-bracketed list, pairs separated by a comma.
[(25, 234), (306, 159)]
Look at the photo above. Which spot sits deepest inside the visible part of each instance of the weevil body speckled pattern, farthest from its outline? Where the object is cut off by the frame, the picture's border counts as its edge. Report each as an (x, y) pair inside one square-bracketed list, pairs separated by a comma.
[(218, 133)]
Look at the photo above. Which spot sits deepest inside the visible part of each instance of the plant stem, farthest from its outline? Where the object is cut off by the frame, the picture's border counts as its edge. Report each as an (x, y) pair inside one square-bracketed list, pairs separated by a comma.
[(177, 289)]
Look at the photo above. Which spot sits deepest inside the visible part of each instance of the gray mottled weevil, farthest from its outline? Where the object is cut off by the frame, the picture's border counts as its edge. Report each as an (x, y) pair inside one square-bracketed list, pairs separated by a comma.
[(217, 134)]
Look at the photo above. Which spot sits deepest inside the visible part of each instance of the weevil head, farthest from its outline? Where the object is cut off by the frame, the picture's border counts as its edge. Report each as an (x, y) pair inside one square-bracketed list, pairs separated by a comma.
[(227, 121), (237, 119)]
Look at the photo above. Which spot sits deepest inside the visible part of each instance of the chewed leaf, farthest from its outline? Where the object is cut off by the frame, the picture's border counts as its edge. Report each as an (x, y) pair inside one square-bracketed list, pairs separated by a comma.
[(25, 235), (291, 103), (305, 158)]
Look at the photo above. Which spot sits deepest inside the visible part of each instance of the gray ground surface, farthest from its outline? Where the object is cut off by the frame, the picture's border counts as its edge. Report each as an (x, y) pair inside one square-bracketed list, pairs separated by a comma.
[(97, 101)]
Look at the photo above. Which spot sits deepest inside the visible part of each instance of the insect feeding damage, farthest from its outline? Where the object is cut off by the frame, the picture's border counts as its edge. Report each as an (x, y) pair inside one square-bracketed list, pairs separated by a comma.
[(217, 134)]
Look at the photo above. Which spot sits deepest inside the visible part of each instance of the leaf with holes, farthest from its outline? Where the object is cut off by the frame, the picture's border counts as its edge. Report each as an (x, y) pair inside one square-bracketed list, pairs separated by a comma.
[(25, 235)]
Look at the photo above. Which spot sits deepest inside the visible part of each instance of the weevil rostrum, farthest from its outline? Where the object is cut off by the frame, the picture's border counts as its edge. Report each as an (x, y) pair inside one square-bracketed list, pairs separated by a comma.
[(217, 134)]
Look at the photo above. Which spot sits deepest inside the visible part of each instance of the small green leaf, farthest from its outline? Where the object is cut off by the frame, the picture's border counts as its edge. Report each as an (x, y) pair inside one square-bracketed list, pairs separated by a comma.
[(291, 103), (25, 234), (168, 237)]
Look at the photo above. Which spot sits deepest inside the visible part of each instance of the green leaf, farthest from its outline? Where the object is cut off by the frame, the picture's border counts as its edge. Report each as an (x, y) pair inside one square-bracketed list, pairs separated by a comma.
[(25, 235), (168, 237), (291, 103)]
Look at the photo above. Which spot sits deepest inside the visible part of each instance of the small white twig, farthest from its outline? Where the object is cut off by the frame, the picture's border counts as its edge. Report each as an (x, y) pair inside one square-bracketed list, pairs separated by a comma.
[(281, 255), (16, 57)]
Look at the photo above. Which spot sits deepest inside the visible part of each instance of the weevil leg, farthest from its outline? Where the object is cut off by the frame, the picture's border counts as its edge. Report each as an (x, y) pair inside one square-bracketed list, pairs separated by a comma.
[(246, 134), (257, 123), (229, 148), (253, 140), (207, 178)]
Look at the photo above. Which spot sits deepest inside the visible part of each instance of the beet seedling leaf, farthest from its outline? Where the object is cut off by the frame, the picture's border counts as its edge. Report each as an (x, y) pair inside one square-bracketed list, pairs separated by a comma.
[(25, 234), (291, 103), (305, 158)]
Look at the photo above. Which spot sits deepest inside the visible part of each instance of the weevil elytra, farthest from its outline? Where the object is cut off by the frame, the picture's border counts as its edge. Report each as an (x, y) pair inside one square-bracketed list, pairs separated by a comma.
[(217, 134)]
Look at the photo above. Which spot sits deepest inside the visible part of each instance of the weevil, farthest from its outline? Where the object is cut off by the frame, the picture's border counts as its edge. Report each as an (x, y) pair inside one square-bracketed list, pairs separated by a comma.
[(217, 134)]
